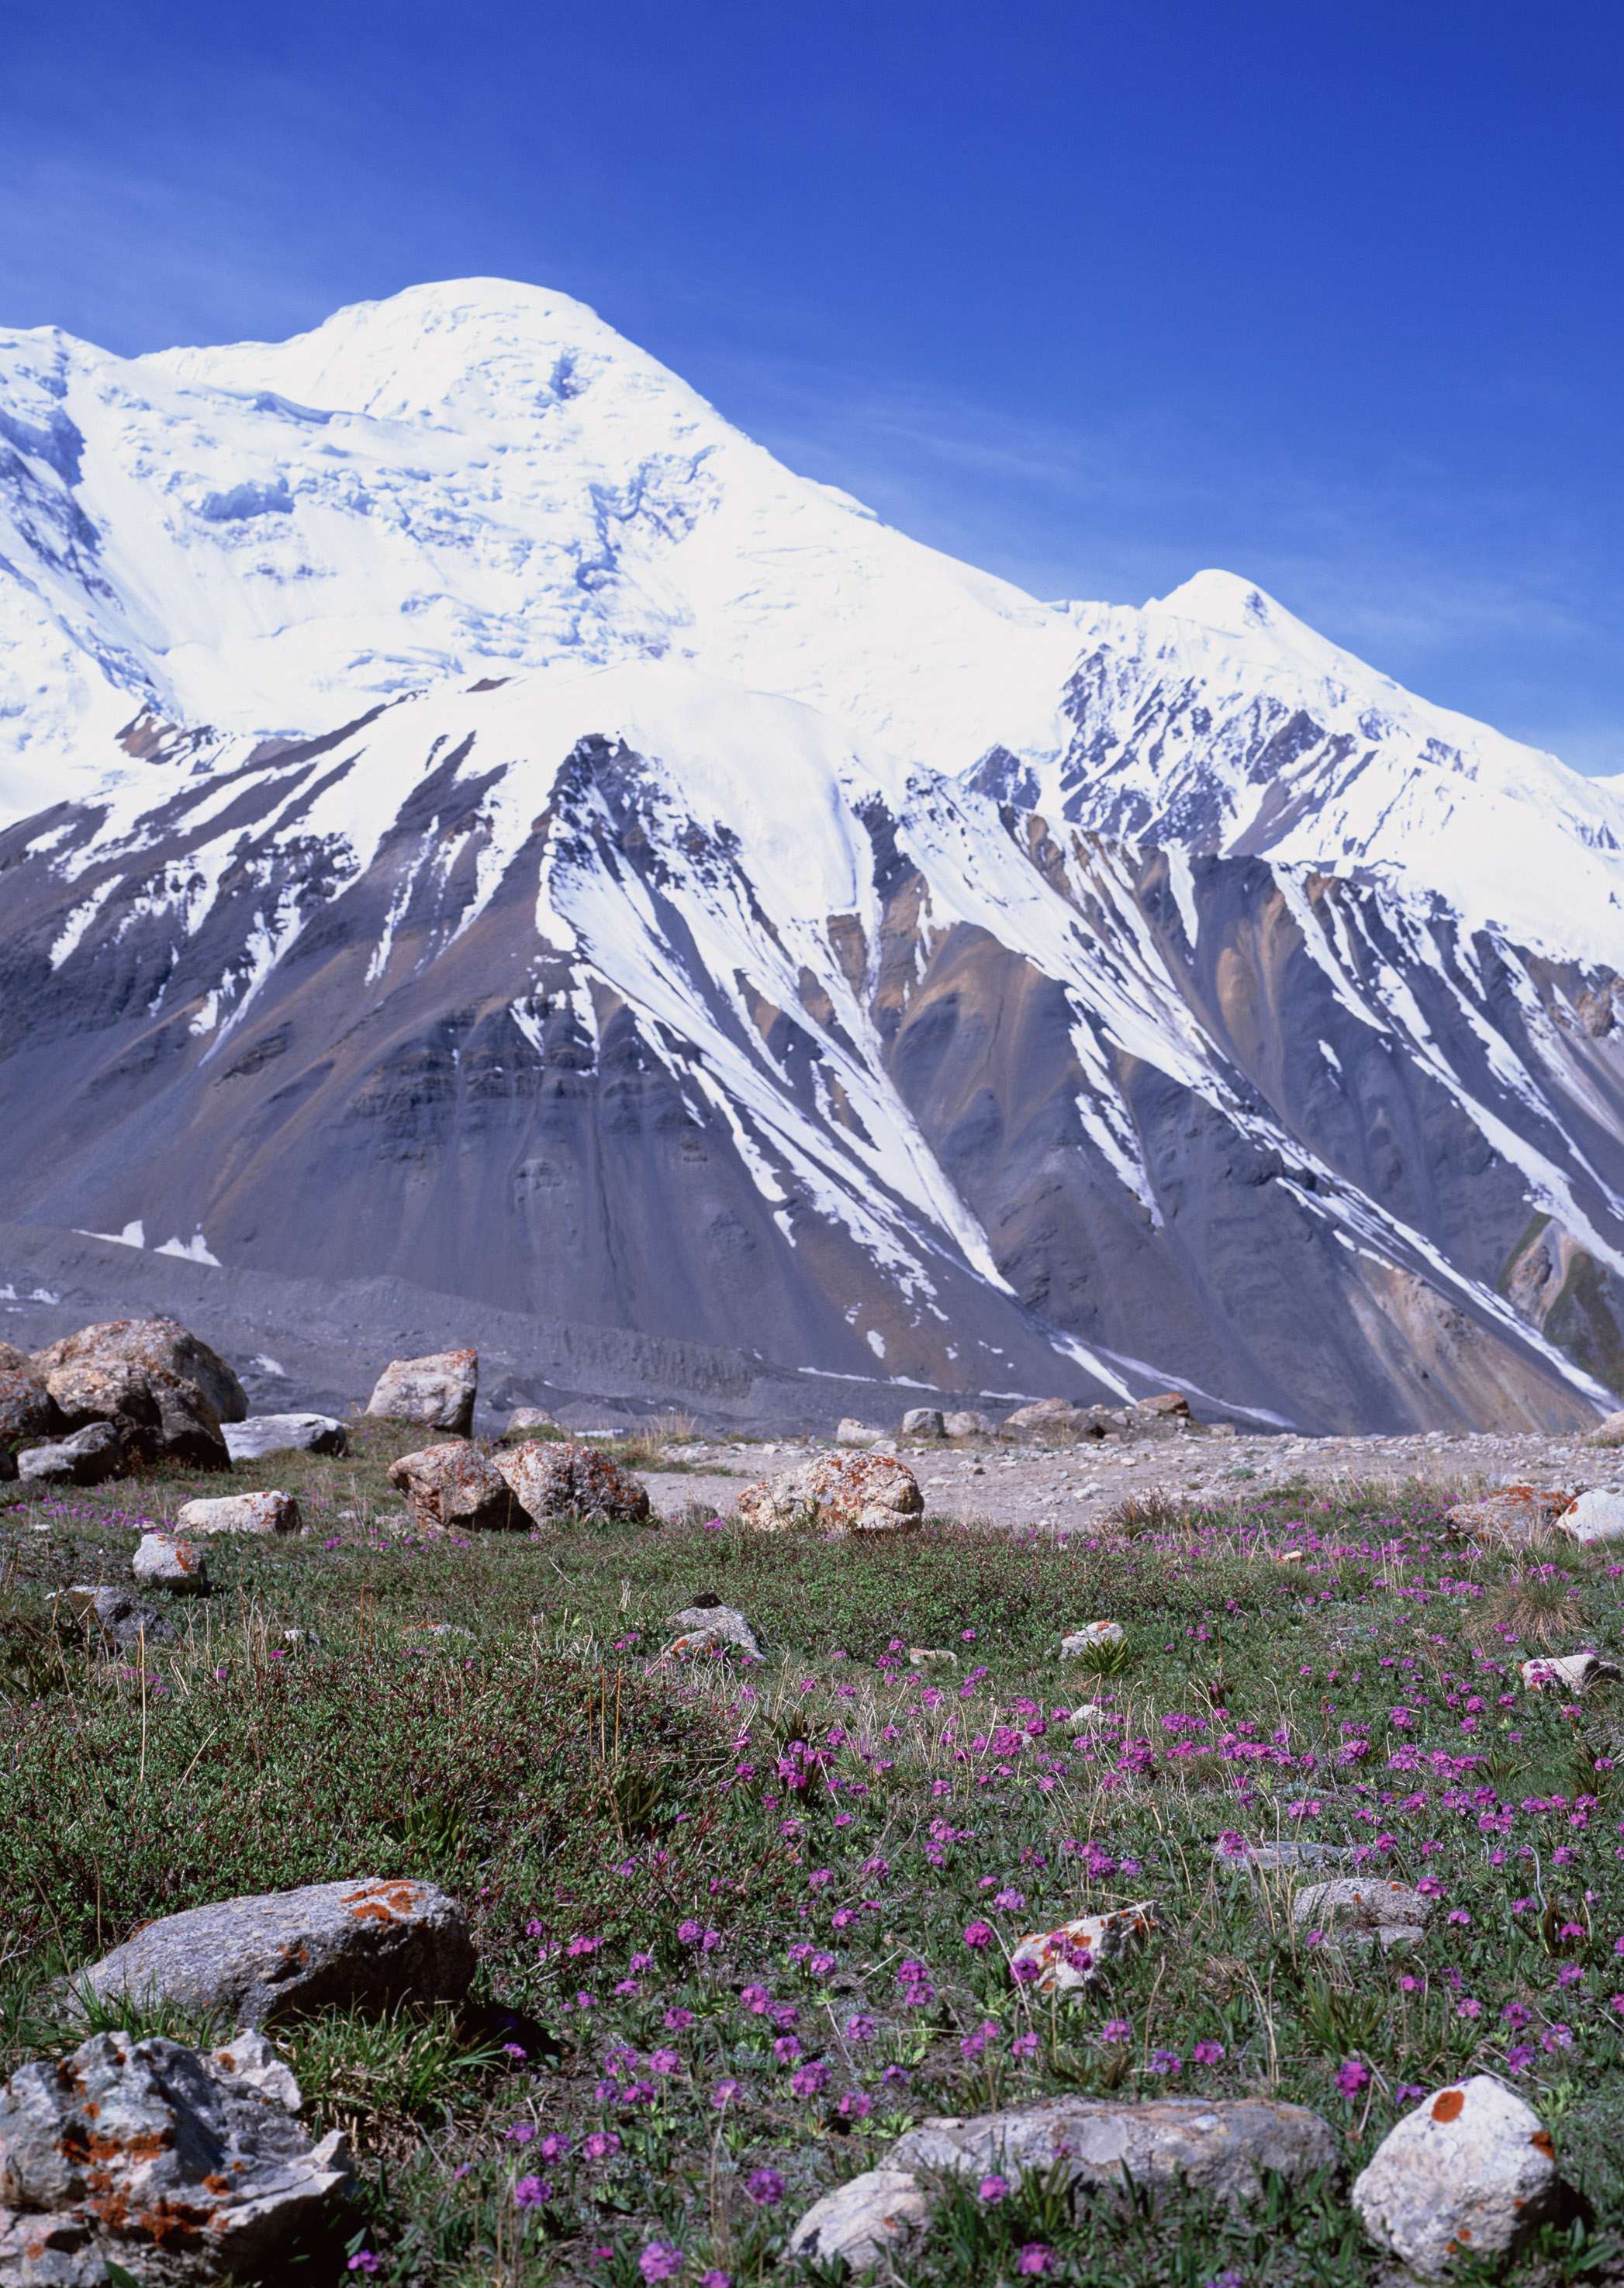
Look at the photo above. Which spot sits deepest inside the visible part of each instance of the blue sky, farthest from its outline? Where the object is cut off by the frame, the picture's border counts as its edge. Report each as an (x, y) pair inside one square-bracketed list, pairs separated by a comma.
[(1094, 296)]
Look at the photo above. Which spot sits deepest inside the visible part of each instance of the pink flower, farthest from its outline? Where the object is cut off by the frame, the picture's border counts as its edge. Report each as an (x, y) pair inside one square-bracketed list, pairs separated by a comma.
[(1207, 2053), (786, 2049), (663, 2061), (660, 2261), (723, 2095), (689, 1934), (365, 2260), (1116, 2030), (530, 2192), (978, 1934), (854, 2105), (1035, 2256), (1352, 2076), (808, 2081), (765, 2187), (993, 2188), (602, 2145)]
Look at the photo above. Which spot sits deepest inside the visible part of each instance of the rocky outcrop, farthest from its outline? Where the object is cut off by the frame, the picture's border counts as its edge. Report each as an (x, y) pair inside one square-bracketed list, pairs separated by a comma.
[(554, 1478), (438, 1391), (838, 1493), (368, 1942), (179, 2167), (711, 1629), (1073, 1953), (156, 1413), (1511, 1517), (452, 1486)]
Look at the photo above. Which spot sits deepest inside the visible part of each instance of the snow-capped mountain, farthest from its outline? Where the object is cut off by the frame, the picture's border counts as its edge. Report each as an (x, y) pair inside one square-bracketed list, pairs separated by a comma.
[(479, 816)]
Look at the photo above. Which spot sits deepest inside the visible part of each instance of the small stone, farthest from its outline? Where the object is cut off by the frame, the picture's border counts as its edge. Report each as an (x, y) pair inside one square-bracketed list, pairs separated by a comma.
[(179, 2167), (1471, 2172), (437, 1390), (1292, 1556), (84, 1459), (1272, 1857), (163, 1562), (720, 1627), (529, 1418), (838, 1493), (1364, 1910), (1171, 1403), (930, 1656), (967, 1423), (1595, 1516), (1573, 1671), (115, 1621), (1071, 1954), (271, 1512), (1092, 1634), (862, 2219), (278, 1433), (854, 1433), (257, 1958), (924, 1422), (559, 1478)]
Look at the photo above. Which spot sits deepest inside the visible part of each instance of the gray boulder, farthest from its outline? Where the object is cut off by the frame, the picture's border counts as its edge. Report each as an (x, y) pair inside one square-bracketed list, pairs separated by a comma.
[(967, 1423), (112, 1621), (1270, 1858), (862, 2219), (1220, 2147), (1364, 1910), (924, 1422), (1470, 2172), (27, 1408), (84, 1459), (140, 1343), (712, 1628), (258, 1958), (177, 2166), (437, 1390), (453, 1486), (280, 1433), (1609, 1432), (163, 1562), (556, 1479)]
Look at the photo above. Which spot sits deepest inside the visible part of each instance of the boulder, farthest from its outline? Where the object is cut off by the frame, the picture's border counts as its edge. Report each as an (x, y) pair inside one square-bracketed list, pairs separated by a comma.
[(177, 2166), (854, 1433), (1272, 1858), (1509, 1517), (452, 1485), (160, 1343), (1092, 1637), (712, 1629), (560, 1479), (1171, 1403), (1471, 2172), (8, 1464), (368, 1942), (1609, 1432), (967, 1423), (437, 1390), (27, 1408), (285, 1434), (924, 1422), (1364, 1910), (112, 1621), (838, 1493), (14, 1362), (1573, 1671), (528, 1417), (84, 1459), (1049, 1417), (157, 1413), (271, 1512), (1596, 1516), (163, 1562), (862, 2220), (1218, 2146), (932, 1657), (1072, 1953)]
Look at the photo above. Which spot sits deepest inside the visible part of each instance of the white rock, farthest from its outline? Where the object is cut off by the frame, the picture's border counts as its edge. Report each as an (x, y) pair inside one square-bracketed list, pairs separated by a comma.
[(854, 1433), (437, 1390), (1096, 1632), (171, 1564), (861, 2220), (930, 1656), (1609, 1432), (1596, 1516), (1364, 1909), (1071, 1954), (1470, 2172), (967, 1423), (1573, 1670), (267, 1512), (280, 1433)]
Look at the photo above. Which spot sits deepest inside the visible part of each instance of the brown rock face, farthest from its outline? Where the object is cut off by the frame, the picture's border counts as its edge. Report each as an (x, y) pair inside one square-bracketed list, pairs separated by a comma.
[(452, 1485), (25, 1407), (553, 1479), (839, 1493), (144, 1343)]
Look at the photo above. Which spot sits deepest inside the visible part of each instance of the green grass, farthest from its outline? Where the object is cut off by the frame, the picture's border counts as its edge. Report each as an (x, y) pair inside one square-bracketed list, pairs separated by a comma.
[(671, 1871)]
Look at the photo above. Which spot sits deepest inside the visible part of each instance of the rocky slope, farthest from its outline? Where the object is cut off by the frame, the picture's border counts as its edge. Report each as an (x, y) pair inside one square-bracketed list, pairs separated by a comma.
[(484, 822)]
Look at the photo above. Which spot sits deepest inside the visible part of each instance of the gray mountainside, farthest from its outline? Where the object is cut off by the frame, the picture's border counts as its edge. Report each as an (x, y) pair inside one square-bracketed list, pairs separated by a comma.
[(631, 993)]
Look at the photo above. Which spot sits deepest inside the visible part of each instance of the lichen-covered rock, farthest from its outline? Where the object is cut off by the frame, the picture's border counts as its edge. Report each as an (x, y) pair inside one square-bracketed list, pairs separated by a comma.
[(1364, 1910), (1471, 2172), (437, 1390), (84, 1459), (1596, 1516), (1569, 1671), (923, 1422), (157, 1413), (280, 1433), (713, 1629), (851, 1432), (160, 1343), (1510, 1517), (1092, 1637), (271, 1512), (1073, 1954), (277, 1954), (1218, 2147), (179, 2167), (27, 1408), (838, 1493), (113, 1622), (163, 1562), (554, 1478), (452, 1486), (862, 2219), (966, 1423)]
